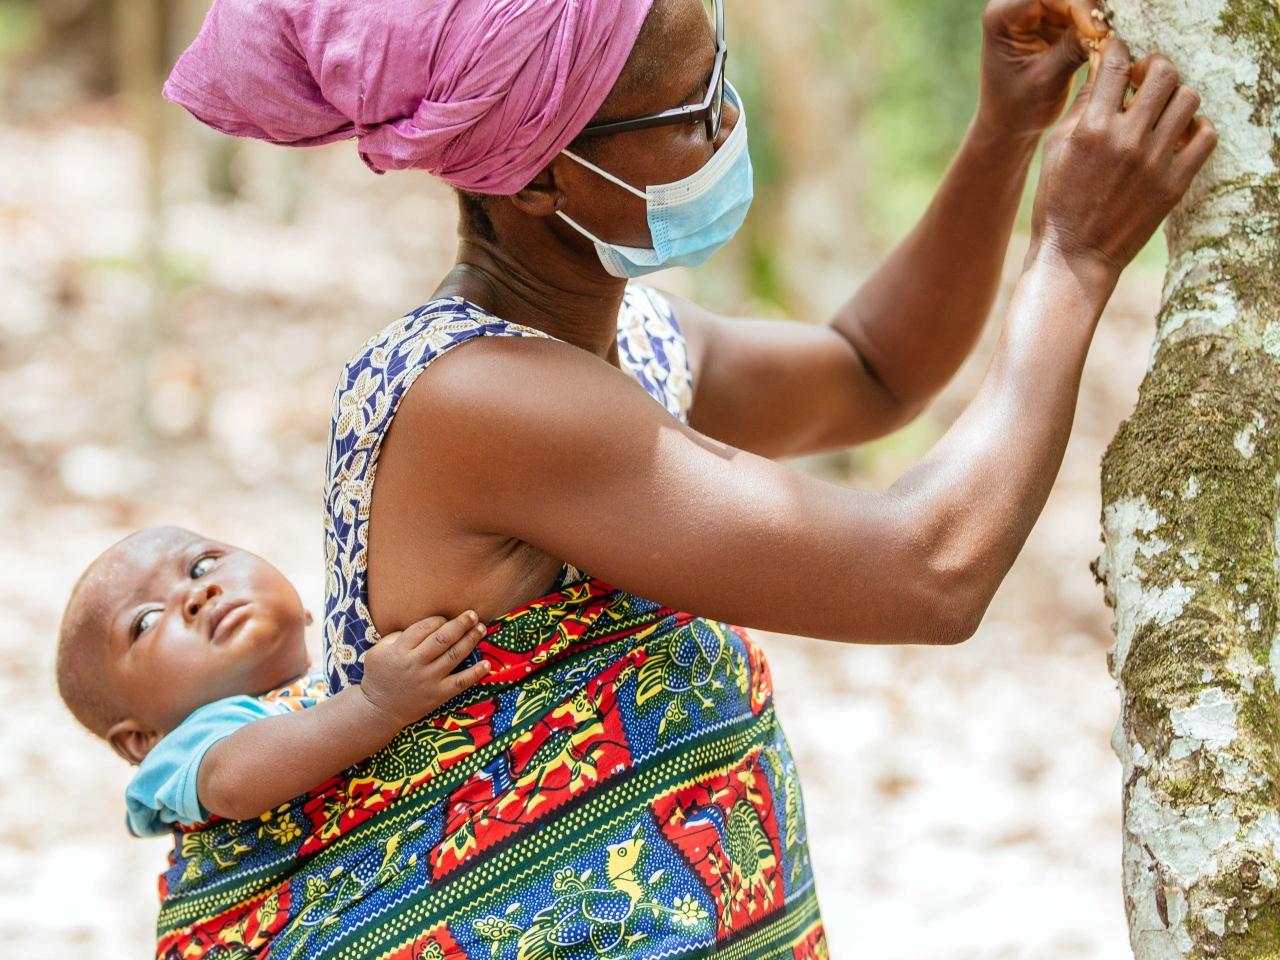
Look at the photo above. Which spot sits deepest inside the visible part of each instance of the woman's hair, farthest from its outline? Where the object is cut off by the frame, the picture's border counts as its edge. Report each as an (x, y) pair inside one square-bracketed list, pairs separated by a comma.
[(473, 208)]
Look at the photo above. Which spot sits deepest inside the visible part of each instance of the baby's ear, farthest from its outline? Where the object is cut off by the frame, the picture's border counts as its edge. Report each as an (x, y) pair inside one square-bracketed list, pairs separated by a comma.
[(132, 740), (306, 617)]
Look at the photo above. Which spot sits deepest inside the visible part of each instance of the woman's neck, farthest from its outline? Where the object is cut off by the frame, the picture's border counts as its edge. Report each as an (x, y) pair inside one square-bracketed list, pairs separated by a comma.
[(521, 284)]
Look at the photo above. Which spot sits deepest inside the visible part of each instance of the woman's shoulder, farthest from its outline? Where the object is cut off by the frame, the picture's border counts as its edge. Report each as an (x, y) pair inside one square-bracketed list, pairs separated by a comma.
[(651, 349), (379, 374), (443, 320), (431, 329)]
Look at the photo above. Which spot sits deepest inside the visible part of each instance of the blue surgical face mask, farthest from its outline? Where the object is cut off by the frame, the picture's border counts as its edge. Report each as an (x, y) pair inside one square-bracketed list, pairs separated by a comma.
[(689, 219)]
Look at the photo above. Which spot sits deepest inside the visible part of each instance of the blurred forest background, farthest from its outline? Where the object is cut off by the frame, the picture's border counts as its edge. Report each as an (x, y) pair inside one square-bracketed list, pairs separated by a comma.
[(174, 308)]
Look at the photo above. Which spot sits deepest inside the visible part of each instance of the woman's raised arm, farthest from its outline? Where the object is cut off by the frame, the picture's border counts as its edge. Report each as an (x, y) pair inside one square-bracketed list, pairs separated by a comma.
[(546, 443)]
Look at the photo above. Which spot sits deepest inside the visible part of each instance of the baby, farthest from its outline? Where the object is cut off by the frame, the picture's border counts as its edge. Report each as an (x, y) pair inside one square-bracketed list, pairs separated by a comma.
[(187, 656)]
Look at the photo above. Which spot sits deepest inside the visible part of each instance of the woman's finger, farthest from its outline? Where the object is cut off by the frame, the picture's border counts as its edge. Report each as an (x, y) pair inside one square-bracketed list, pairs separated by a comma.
[(1112, 80), (1083, 14), (1200, 143), (1069, 51), (1140, 68), (1156, 78), (1174, 125)]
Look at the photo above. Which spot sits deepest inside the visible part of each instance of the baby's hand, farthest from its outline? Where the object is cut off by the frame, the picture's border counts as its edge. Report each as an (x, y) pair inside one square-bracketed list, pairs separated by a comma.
[(408, 674)]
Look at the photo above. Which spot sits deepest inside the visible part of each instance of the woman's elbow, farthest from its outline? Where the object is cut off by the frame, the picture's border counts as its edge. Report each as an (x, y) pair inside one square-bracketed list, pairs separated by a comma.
[(959, 603), (949, 604), (955, 624), (945, 623), (932, 590), (919, 620)]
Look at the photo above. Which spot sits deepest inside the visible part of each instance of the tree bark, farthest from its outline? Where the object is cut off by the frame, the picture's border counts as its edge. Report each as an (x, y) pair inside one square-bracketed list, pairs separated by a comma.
[(1189, 485)]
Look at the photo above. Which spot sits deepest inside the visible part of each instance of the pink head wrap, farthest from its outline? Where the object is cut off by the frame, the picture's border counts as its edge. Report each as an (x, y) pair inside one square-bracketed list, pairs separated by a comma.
[(482, 93)]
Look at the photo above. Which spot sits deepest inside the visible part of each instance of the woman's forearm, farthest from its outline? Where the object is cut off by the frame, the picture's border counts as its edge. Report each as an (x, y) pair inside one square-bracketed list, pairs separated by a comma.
[(271, 761), (985, 482), (918, 315)]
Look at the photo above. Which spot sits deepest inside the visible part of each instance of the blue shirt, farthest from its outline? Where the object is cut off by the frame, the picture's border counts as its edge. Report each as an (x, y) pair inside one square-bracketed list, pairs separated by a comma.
[(162, 794)]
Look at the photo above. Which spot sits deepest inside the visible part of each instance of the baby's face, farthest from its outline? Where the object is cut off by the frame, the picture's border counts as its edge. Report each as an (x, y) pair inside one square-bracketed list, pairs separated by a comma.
[(187, 621)]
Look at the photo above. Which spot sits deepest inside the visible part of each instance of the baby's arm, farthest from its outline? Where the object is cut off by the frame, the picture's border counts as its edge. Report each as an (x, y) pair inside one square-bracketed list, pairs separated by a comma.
[(273, 760)]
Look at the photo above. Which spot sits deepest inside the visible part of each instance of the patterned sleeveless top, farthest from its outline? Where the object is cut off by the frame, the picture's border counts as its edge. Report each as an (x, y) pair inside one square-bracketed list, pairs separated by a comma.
[(619, 786), (651, 349)]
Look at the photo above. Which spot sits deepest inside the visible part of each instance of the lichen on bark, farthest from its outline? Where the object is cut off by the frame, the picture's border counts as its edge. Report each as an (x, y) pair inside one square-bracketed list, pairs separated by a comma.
[(1189, 519)]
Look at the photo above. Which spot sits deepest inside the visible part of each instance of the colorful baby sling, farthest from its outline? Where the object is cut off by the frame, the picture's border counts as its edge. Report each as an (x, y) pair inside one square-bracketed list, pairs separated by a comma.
[(618, 787)]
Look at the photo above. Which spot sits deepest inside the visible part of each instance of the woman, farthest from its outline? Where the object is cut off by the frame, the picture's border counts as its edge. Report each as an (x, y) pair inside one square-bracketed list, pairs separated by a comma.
[(619, 785)]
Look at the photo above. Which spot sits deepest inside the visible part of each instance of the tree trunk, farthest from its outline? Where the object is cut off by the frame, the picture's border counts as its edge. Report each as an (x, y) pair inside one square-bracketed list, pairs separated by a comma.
[(1189, 486)]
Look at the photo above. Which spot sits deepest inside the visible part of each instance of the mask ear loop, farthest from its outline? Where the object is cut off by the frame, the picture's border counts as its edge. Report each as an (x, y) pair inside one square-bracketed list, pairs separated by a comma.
[(581, 229), (606, 174)]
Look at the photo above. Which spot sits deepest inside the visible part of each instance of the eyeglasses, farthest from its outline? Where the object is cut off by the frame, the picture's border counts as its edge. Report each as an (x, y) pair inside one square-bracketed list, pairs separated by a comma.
[(709, 111)]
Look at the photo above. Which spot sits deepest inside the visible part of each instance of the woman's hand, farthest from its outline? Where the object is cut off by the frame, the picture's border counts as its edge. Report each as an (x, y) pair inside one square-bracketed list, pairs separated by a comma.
[(408, 674), (1111, 172), (1030, 51)]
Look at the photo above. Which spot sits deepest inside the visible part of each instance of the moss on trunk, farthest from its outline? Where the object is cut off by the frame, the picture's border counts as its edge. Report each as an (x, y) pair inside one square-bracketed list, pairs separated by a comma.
[(1201, 727)]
